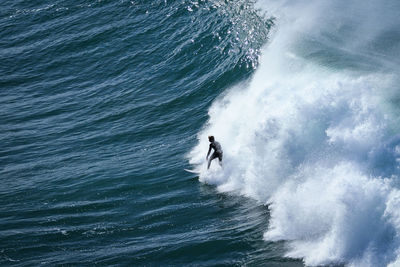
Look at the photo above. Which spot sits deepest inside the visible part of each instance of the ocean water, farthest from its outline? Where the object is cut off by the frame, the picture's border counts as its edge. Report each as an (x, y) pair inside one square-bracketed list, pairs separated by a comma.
[(104, 103)]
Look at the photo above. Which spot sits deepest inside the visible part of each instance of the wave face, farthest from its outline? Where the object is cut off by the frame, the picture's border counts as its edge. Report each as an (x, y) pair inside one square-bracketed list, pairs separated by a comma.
[(315, 133)]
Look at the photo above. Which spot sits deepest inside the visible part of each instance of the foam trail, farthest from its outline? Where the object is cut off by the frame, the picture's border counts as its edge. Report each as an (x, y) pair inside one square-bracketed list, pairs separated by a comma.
[(316, 132)]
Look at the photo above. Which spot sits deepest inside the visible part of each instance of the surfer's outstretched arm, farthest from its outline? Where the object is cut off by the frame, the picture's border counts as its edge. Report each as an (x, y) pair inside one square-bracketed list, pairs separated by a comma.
[(208, 153)]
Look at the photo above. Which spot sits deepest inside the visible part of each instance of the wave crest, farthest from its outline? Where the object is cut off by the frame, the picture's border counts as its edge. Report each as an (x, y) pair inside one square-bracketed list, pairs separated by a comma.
[(319, 142)]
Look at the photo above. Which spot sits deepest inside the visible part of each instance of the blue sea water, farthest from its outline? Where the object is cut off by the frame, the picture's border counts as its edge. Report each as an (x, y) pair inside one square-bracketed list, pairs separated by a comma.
[(104, 103)]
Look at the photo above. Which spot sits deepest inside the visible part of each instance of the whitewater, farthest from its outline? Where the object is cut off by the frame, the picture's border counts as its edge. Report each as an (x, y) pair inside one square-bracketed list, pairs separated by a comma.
[(315, 133)]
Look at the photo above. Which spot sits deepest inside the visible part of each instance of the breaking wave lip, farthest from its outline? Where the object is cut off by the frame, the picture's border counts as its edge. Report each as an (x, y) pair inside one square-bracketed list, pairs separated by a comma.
[(316, 135)]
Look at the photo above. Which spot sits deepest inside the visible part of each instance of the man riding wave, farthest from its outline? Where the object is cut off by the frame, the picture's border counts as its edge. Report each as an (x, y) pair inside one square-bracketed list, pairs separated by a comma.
[(217, 151)]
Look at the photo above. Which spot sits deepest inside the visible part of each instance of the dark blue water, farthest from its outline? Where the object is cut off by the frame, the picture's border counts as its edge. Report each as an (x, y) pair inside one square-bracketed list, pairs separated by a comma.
[(100, 101), (104, 103)]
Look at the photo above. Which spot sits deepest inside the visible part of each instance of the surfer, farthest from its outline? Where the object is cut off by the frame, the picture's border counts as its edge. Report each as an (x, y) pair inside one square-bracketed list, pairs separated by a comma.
[(217, 151)]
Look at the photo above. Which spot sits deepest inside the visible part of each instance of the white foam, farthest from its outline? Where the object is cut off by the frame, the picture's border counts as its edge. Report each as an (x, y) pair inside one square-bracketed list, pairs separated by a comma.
[(318, 142)]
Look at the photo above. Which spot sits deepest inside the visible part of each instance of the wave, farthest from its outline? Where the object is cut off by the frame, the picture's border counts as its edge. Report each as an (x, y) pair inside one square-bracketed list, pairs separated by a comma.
[(315, 132)]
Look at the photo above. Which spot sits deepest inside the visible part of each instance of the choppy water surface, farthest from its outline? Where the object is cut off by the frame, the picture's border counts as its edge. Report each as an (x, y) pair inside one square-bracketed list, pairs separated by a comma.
[(104, 103)]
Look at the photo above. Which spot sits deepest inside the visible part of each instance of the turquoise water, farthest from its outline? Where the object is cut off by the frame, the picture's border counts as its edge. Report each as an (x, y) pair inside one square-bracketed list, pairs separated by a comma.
[(104, 103)]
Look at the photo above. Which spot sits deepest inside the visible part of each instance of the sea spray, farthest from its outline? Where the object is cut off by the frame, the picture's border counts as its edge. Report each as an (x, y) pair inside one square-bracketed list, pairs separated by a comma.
[(315, 133), (336, 215)]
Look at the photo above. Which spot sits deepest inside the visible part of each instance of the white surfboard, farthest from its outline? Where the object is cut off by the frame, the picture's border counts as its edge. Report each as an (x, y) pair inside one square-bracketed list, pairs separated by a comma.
[(192, 171)]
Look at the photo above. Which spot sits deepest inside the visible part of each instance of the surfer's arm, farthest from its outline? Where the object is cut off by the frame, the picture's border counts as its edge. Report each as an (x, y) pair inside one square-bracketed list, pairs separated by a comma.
[(208, 153)]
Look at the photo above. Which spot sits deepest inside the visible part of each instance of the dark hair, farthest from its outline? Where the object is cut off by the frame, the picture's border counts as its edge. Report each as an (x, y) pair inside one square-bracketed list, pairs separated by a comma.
[(211, 138)]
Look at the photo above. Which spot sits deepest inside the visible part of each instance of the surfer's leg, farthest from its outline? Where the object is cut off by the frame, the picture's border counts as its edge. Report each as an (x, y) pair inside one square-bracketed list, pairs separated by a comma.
[(220, 159), (213, 156)]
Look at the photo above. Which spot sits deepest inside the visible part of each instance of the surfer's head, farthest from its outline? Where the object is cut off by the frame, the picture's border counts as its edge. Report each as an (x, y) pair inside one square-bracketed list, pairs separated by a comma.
[(211, 138)]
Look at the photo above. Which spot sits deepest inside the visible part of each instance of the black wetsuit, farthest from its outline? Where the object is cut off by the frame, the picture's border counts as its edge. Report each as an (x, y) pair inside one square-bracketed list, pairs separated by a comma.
[(217, 151)]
